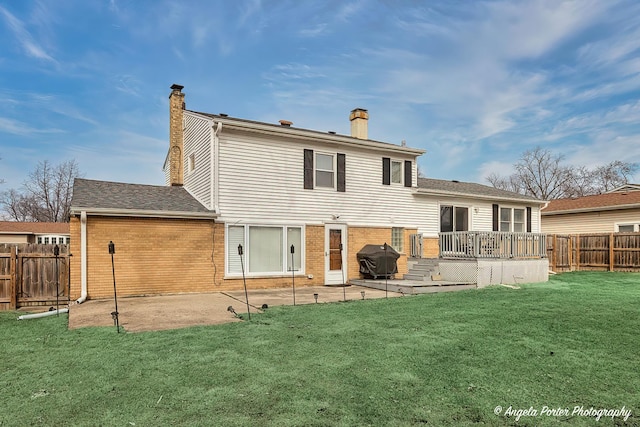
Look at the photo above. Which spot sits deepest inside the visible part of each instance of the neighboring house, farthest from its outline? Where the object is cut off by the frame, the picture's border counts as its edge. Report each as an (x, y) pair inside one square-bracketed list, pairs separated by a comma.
[(34, 232), (612, 212), (266, 187)]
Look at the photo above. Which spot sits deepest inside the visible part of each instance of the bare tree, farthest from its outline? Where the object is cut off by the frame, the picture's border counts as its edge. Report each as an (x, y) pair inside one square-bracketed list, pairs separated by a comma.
[(543, 175), (46, 194)]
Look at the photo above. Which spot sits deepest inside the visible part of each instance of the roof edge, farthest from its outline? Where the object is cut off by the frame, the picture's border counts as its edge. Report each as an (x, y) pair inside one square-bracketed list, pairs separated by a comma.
[(272, 129), (76, 210), (424, 191), (592, 209)]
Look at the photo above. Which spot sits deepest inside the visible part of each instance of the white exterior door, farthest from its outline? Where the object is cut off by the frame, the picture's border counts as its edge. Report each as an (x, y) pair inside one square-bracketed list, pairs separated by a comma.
[(335, 254)]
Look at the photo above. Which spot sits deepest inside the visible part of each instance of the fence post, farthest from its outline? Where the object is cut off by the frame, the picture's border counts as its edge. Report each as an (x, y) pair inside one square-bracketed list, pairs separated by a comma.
[(569, 252), (577, 252), (13, 282), (555, 251), (611, 252)]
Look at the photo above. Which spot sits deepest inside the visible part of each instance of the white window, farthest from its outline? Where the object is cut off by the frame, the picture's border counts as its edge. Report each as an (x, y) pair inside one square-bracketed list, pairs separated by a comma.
[(46, 240), (396, 172), (266, 249), (324, 170), (192, 163), (54, 241), (627, 228), (39, 240), (512, 220), (397, 239)]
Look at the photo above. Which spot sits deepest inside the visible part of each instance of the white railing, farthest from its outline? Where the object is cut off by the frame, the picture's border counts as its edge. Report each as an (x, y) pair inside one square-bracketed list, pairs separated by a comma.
[(492, 244)]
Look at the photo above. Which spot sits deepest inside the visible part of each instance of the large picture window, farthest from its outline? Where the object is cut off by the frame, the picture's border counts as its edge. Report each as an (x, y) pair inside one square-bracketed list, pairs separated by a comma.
[(267, 249)]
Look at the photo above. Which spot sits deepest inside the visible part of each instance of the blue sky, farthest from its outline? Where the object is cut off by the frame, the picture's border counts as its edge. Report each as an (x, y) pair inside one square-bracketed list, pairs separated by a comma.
[(475, 83)]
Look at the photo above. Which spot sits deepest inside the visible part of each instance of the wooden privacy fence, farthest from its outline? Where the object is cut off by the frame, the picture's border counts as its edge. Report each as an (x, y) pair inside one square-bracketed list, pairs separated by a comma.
[(28, 275), (601, 251)]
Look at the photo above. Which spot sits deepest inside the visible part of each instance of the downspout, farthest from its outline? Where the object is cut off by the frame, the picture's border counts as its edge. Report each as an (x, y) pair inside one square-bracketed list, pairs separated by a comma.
[(83, 257), (215, 153)]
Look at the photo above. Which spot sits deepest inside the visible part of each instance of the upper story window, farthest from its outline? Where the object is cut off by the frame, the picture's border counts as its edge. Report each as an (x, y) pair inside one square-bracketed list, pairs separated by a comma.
[(324, 170), (397, 172)]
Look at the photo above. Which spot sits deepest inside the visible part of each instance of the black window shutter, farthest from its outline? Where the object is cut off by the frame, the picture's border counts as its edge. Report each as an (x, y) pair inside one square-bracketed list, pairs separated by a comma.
[(528, 219), (308, 169), (408, 173), (496, 218), (341, 173), (386, 171)]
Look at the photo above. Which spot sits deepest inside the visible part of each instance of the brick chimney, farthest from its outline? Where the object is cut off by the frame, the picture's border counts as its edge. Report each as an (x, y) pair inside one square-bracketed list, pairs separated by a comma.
[(176, 136), (359, 119)]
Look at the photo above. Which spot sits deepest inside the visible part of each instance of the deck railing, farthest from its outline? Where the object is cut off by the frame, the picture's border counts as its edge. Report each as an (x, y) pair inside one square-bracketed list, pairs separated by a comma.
[(492, 244), (416, 245)]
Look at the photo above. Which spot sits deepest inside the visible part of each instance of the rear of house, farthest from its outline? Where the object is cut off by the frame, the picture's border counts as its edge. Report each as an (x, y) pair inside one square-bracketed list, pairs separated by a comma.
[(298, 202)]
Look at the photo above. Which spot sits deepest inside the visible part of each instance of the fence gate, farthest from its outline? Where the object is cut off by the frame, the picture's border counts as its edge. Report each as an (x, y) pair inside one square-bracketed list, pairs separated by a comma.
[(28, 275)]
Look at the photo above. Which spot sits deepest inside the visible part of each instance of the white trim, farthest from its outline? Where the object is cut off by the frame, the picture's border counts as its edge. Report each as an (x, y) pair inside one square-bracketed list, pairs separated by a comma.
[(329, 277), (636, 226), (334, 171), (285, 249)]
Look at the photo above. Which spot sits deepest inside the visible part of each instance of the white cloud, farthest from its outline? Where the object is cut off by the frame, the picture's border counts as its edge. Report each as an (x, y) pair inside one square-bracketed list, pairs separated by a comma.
[(17, 127), (26, 40)]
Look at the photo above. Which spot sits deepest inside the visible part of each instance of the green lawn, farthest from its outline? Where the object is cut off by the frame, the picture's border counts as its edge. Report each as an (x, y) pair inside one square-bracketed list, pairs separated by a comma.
[(445, 359)]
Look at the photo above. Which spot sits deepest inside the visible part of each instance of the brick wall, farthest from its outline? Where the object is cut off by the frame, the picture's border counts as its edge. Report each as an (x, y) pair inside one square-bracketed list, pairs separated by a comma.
[(165, 256), (360, 236), (430, 247)]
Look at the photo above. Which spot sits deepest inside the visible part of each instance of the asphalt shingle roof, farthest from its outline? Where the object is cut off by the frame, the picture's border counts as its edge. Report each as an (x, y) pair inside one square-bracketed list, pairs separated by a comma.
[(597, 202), (470, 188), (34, 227), (89, 193)]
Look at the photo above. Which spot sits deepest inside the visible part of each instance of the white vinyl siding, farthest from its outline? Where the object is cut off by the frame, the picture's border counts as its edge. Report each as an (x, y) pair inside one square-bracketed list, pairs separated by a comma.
[(264, 179), (589, 222), (197, 158)]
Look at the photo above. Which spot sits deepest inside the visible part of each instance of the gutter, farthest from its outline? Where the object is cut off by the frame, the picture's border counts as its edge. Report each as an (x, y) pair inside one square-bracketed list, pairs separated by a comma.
[(424, 192), (83, 257), (215, 165), (143, 213), (592, 209)]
